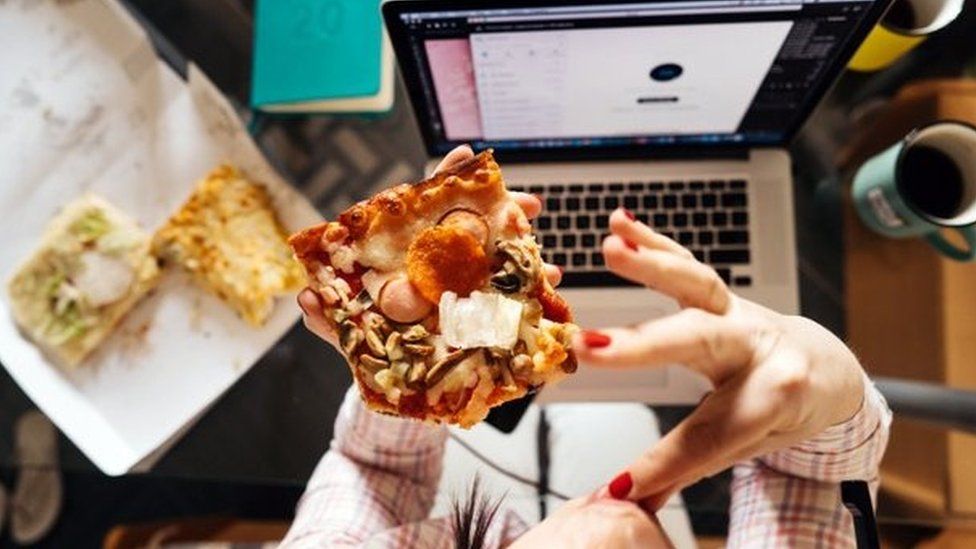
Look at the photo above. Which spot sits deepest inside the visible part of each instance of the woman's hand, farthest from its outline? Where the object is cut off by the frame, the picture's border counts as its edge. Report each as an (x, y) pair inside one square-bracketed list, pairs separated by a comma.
[(778, 379), (399, 300)]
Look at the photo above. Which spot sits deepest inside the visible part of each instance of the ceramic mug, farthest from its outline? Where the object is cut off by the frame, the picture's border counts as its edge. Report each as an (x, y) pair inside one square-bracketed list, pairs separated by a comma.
[(904, 26), (921, 185)]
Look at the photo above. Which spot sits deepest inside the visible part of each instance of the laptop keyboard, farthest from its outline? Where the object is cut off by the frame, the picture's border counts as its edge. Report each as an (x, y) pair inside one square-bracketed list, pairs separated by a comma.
[(711, 218)]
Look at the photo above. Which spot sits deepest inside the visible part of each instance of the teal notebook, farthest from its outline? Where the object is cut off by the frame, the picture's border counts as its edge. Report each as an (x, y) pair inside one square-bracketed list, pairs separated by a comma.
[(320, 55)]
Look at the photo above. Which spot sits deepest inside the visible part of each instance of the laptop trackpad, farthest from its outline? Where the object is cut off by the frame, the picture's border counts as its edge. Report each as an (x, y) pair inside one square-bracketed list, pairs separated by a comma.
[(595, 308)]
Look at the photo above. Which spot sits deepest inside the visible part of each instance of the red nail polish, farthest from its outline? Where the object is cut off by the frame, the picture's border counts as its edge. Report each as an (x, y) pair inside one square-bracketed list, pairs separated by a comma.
[(595, 340), (561, 270), (630, 245), (620, 486), (629, 214)]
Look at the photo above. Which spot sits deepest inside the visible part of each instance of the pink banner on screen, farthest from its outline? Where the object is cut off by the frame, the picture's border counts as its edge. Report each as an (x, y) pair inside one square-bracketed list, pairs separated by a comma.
[(457, 97)]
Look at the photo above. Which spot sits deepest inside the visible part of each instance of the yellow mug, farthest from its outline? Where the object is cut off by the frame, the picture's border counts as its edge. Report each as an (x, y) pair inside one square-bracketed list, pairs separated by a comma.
[(905, 26)]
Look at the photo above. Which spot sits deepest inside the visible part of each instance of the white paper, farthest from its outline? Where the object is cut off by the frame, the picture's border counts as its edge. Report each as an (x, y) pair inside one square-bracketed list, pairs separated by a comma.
[(86, 105)]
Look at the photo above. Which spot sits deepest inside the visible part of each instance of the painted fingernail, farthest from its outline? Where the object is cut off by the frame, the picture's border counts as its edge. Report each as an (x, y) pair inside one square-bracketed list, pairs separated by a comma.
[(630, 245), (630, 215), (620, 486), (595, 340), (561, 270)]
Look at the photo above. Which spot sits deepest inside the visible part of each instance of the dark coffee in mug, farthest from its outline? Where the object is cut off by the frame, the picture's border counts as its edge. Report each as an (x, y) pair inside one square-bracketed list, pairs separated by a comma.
[(931, 182)]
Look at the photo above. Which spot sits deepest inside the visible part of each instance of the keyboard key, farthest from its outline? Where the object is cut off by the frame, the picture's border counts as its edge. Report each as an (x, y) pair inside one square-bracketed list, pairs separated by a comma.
[(706, 238), (643, 218), (733, 237), (686, 237), (576, 188), (668, 234), (545, 257), (569, 241), (630, 202), (596, 258), (649, 201), (583, 222), (670, 201), (737, 184), (656, 186), (596, 187), (536, 189), (709, 200), (635, 186), (676, 185), (563, 222), (516, 188), (553, 204), (616, 187), (697, 185), (579, 259), (549, 241), (716, 185), (734, 200), (699, 255), (588, 240), (592, 203), (699, 219), (544, 223), (611, 202), (689, 201), (720, 219), (740, 219), (602, 221), (660, 220), (559, 258), (557, 188), (679, 219), (742, 281), (572, 204), (729, 256), (725, 274)]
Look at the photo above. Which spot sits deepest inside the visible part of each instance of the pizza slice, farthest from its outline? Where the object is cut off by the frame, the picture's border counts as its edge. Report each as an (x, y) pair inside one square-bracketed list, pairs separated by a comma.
[(496, 328), (228, 236), (92, 267)]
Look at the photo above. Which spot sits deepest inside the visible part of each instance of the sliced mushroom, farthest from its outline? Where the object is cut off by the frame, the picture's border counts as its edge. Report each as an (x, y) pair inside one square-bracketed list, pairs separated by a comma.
[(350, 336), (418, 371), (444, 365), (506, 282), (392, 347), (373, 364), (375, 343), (419, 349), (415, 333)]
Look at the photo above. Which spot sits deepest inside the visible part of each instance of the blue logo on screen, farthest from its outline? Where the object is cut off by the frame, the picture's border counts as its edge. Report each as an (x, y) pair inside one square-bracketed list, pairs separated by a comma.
[(666, 72)]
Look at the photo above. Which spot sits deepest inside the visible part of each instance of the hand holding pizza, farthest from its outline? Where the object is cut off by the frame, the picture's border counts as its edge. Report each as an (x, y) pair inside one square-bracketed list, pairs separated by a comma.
[(778, 379), (400, 300)]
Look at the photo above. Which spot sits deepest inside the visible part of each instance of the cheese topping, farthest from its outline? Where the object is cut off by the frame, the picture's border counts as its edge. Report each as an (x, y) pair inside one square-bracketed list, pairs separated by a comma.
[(102, 279), (481, 320)]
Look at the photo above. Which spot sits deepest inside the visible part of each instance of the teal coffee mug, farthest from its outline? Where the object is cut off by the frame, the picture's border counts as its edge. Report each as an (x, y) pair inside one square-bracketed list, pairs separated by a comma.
[(921, 185)]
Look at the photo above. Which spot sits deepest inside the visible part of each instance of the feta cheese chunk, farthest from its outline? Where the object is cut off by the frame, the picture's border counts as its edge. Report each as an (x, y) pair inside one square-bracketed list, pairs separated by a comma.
[(481, 320)]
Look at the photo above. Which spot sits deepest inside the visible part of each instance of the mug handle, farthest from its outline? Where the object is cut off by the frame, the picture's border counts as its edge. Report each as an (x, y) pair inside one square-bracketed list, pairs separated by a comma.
[(950, 250)]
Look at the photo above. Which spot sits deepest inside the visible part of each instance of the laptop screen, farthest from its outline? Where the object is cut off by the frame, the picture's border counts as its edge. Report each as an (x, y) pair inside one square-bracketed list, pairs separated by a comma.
[(563, 75)]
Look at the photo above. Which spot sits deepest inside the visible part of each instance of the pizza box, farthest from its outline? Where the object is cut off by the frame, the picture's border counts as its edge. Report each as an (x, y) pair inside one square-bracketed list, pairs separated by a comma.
[(88, 107)]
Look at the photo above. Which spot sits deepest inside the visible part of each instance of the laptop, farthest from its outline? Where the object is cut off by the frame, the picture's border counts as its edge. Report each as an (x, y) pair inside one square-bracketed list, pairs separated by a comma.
[(681, 111)]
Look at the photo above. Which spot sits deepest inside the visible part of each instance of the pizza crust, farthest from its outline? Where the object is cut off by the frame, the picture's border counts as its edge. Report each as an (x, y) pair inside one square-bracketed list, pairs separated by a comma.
[(456, 235)]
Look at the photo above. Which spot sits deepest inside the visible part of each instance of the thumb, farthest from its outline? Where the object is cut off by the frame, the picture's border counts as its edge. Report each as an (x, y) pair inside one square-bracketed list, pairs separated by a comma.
[(709, 440)]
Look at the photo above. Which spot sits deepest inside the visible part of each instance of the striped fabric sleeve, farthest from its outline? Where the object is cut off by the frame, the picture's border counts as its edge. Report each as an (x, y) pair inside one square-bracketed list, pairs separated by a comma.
[(791, 498), (848, 451), (379, 474)]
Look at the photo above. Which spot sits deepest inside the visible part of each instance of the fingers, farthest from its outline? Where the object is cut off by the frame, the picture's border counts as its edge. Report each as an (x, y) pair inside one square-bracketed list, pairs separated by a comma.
[(717, 434), (529, 203), (314, 318), (623, 224), (401, 302), (456, 156), (553, 273), (691, 283), (712, 345)]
